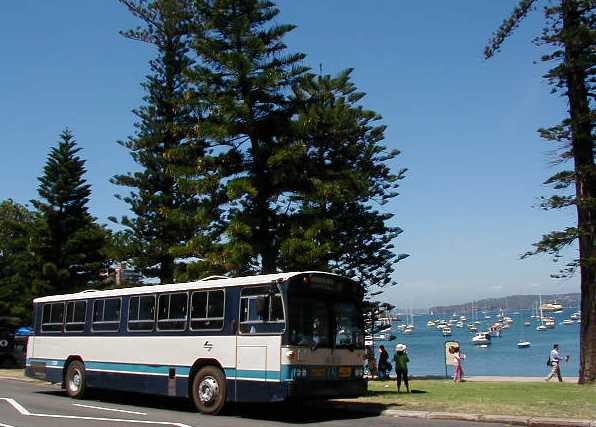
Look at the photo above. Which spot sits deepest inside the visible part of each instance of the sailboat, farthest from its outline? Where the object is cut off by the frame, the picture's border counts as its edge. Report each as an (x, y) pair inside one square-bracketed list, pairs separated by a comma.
[(541, 327), (522, 343)]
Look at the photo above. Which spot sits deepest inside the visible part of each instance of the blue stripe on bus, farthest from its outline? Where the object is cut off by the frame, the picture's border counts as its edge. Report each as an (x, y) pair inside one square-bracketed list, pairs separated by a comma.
[(158, 369)]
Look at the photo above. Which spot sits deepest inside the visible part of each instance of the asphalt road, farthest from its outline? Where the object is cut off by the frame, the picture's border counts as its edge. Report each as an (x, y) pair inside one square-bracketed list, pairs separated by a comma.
[(33, 404)]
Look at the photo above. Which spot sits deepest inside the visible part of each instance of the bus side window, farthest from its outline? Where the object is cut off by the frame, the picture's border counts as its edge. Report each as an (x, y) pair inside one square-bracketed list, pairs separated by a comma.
[(106, 314), (141, 313), (53, 317), (207, 310), (75, 316), (261, 310), (172, 312)]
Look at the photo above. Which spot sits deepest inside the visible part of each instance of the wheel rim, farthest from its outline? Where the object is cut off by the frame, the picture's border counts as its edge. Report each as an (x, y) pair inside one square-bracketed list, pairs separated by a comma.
[(74, 384), (208, 390)]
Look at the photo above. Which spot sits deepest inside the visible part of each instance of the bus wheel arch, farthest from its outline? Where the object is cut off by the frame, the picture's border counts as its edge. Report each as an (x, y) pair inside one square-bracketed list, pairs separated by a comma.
[(207, 386), (75, 377), (67, 362)]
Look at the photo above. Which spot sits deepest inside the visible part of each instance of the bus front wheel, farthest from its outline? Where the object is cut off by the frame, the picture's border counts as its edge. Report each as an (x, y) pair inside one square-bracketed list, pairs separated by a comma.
[(75, 379), (209, 390)]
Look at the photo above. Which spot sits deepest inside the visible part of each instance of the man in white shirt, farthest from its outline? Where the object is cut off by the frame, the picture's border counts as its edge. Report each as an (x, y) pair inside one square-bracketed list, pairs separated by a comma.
[(555, 364)]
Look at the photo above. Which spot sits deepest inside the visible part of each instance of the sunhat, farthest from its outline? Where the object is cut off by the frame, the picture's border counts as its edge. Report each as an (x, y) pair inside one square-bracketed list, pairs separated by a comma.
[(400, 347)]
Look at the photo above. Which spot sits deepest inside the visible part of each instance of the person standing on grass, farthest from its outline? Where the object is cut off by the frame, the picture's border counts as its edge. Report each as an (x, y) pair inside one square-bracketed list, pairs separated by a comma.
[(554, 361), (459, 369), (383, 362), (401, 365)]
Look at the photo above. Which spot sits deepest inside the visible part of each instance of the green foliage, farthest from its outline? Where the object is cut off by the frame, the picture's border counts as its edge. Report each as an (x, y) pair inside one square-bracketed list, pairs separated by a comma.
[(18, 264), (570, 33), (240, 85), (333, 219), (295, 171), (68, 242), (163, 214)]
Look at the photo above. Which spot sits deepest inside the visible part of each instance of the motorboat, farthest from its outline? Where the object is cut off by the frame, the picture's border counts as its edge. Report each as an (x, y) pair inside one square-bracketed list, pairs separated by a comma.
[(541, 328), (527, 323), (472, 328), (481, 338), (446, 331), (551, 307), (568, 322), (523, 344)]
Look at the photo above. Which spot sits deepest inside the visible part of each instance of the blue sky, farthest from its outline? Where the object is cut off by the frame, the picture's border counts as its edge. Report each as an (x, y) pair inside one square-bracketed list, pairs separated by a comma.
[(466, 127)]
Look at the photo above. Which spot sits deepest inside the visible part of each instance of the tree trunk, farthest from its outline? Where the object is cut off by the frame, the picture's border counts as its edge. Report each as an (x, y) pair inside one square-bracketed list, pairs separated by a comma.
[(585, 185)]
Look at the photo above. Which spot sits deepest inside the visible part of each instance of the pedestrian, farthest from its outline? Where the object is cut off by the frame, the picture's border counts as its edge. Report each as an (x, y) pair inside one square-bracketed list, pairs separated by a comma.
[(554, 361), (401, 360), (459, 369), (383, 365)]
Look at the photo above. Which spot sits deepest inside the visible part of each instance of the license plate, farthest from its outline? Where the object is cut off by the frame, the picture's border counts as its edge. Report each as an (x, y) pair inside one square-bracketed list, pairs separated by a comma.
[(317, 372), (345, 372)]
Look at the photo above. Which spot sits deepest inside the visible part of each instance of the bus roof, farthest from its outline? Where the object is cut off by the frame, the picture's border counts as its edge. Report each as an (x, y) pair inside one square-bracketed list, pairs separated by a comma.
[(200, 284)]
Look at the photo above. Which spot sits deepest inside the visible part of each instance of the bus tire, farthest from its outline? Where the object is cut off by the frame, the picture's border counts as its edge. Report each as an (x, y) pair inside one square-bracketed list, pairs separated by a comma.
[(75, 380), (209, 390)]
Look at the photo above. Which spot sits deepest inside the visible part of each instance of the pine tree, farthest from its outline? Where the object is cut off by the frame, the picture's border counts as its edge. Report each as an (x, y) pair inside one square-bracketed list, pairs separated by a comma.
[(17, 263), (334, 217), (163, 212), (570, 32), (240, 86), (68, 242)]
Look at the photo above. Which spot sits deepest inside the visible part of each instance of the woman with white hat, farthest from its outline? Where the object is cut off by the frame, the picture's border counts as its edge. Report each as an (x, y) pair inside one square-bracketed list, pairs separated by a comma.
[(401, 365)]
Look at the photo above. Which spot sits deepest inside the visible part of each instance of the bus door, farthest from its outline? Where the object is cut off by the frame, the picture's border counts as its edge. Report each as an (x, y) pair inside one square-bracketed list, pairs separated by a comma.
[(258, 342)]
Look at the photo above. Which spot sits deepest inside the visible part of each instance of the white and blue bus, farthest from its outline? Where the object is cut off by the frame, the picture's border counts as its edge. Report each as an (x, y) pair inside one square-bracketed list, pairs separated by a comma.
[(258, 338)]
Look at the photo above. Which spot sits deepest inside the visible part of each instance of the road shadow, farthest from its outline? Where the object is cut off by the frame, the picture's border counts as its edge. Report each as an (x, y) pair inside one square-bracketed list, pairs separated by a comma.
[(307, 412), (128, 398), (304, 412)]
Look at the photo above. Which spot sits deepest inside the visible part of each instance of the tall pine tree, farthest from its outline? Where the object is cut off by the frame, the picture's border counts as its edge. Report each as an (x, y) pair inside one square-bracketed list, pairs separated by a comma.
[(68, 243), (570, 32), (163, 213), (18, 266), (335, 216), (240, 86)]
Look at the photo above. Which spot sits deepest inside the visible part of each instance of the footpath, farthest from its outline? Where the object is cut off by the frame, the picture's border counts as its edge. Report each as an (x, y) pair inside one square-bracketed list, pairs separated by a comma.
[(378, 405)]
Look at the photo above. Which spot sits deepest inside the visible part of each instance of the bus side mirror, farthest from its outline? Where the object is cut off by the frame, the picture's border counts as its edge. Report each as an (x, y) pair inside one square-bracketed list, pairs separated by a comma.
[(234, 324)]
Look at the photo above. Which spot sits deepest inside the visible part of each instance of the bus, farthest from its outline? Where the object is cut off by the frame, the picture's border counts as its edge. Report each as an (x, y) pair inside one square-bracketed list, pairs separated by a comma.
[(263, 338)]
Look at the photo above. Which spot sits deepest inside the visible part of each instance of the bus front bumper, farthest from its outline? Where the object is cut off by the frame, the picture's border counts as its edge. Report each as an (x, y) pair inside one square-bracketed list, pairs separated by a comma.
[(326, 389)]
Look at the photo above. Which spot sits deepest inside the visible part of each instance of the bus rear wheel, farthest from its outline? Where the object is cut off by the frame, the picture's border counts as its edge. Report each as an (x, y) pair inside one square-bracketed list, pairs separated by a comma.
[(209, 390), (75, 380)]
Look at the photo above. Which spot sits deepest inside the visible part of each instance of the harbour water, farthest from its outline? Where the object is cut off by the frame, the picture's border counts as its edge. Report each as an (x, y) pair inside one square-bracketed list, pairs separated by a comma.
[(426, 347)]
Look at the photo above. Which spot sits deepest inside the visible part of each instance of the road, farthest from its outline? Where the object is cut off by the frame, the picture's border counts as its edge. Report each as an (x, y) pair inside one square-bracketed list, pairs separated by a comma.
[(33, 404)]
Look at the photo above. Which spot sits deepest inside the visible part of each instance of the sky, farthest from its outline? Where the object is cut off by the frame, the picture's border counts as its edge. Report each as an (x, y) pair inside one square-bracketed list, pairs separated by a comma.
[(466, 128)]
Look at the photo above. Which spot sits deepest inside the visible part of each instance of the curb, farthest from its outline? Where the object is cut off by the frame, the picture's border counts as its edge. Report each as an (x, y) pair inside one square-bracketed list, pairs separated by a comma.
[(458, 416)]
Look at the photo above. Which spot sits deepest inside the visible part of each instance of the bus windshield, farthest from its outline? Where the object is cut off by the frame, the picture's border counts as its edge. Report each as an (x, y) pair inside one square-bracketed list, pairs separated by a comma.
[(314, 322)]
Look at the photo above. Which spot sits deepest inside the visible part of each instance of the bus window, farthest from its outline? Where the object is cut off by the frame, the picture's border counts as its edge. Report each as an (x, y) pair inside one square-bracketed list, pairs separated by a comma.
[(106, 314), (141, 313), (53, 317), (261, 310), (172, 312), (75, 316), (207, 310)]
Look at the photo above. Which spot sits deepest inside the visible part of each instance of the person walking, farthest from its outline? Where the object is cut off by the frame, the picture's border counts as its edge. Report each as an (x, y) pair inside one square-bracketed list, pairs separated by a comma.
[(554, 361), (383, 362), (459, 368), (401, 360)]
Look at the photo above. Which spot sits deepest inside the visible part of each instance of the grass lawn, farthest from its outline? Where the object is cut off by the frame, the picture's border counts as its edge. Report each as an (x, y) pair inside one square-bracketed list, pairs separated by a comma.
[(13, 373), (565, 400)]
